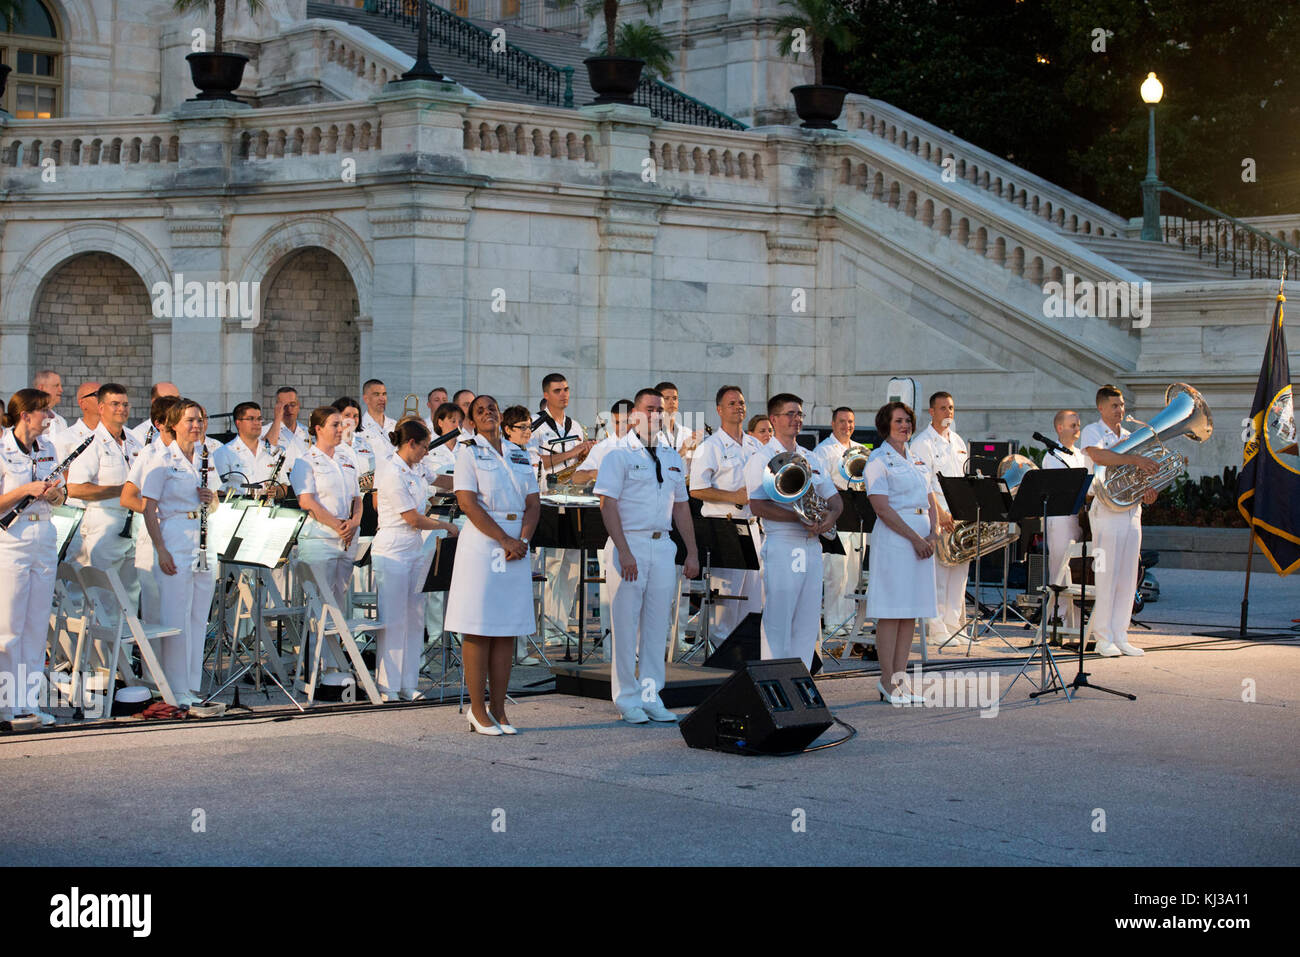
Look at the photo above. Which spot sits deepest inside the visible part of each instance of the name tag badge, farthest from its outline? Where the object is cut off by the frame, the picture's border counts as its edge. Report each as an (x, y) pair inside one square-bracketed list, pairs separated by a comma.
[(518, 458), (674, 468)]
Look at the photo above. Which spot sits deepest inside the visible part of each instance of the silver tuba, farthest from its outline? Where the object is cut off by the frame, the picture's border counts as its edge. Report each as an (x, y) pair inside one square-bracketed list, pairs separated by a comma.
[(788, 480), (965, 542), (1185, 415), (853, 465)]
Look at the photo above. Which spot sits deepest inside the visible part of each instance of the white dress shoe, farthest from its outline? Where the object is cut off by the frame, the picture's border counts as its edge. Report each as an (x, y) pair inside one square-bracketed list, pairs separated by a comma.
[(491, 728), (1107, 650), (47, 719), (410, 694), (657, 712), (897, 698), (505, 728), (1128, 649), (636, 716)]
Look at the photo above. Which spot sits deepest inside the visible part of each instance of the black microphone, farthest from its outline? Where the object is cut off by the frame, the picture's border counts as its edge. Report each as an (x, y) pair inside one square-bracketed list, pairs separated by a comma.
[(444, 439), (1051, 443)]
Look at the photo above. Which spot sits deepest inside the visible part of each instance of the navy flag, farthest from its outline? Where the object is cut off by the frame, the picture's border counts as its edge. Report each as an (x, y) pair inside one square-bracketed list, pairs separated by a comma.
[(1268, 489)]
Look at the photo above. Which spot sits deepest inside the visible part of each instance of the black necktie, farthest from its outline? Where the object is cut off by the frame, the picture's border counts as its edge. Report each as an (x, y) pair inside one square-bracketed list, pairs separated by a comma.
[(659, 474)]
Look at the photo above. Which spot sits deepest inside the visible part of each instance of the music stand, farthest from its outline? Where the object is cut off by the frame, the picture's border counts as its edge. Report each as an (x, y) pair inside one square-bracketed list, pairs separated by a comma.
[(67, 520), (439, 580), (980, 500), (857, 518), (721, 543), (261, 540), (578, 527)]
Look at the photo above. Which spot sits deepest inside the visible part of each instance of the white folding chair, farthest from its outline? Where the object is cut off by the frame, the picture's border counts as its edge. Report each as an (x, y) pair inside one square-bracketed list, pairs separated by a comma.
[(113, 622), (327, 624), (65, 643)]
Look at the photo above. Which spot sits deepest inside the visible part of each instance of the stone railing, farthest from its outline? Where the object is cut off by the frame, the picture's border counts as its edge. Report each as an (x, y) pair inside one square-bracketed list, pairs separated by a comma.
[(549, 132), (286, 132), (979, 168), (1285, 228), (79, 141), (677, 148), (347, 62)]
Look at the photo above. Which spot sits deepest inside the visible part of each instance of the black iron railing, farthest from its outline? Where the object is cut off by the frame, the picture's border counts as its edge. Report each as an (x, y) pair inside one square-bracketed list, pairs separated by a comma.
[(531, 74), (1248, 251), (524, 71)]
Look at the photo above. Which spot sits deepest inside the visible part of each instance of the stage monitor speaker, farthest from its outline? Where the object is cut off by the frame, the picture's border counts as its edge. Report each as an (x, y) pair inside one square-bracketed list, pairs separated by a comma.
[(767, 707), (745, 643)]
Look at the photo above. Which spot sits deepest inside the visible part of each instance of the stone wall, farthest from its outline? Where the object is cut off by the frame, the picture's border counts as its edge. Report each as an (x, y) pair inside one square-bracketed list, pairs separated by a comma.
[(91, 323), (308, 338)]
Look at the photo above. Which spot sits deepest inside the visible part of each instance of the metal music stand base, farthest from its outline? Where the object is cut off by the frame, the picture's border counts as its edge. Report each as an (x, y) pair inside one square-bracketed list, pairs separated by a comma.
[(254, 660)]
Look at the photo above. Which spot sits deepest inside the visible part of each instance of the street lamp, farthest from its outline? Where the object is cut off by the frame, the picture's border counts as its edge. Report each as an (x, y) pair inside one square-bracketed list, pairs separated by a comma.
[(422, 69), (1152, 91)]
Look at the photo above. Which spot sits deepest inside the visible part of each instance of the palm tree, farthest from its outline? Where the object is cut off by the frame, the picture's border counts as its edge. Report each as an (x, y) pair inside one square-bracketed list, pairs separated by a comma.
[(185, 6), (820, 20), (647, 42), (609, 9)]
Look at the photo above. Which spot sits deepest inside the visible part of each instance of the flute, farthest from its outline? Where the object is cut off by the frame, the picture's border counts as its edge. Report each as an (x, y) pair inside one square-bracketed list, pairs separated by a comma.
[(201, 560)]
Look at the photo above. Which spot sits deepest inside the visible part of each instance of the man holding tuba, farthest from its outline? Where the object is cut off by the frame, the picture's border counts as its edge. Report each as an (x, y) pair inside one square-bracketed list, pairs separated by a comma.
[(791, 555), (1116, 533)]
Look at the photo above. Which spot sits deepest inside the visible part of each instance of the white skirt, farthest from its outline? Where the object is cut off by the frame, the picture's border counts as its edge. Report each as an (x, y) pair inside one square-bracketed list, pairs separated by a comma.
[(490, 596), (900, 584)]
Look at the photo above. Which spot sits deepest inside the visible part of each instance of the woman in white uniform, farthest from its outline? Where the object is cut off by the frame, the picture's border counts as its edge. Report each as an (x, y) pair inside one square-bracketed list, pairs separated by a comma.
[(175, 492), (325, 481), (362, 452), (28, 549), (491, 593), (439, 465), (1063, 530), (400, 563), (902, 582), (146, 562)]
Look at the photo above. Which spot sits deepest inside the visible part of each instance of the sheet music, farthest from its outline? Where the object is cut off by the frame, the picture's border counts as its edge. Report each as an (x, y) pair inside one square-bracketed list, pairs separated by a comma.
[(222, 525), (264, 538), (66, 521)]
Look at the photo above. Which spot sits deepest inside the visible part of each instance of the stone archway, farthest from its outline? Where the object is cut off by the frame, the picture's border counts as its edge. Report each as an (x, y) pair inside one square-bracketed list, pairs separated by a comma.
[(90, 321), (309, 338)]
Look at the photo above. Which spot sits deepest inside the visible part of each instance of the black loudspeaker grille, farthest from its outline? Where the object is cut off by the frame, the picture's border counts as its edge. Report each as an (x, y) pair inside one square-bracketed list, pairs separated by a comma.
[(766, 707)]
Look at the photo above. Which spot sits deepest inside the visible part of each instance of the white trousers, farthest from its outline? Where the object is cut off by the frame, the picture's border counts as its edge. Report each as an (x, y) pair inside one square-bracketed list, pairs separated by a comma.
[(102, 546), (1116, 542), (146, 573), (28, 557), (792, 594), (950, 597), (839, 579), (184, 602), (399, 576), (1062, 532), (562, 572), (640, 611)]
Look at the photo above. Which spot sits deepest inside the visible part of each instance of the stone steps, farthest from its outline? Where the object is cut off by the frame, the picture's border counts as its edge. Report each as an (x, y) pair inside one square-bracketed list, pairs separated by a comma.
[(1155, 262)]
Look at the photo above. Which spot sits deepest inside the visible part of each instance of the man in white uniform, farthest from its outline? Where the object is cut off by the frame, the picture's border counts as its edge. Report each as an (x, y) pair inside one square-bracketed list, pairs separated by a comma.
[(463, 399), (286, 431), (84, 427), (1063, 530), (792, 554), (376, 425), (1116, 533), (96, 478), (437, 397), (249, 459), (559, 441), (642, 489), (944, 452), (678, 435), (618, 416), (51, 383), (842, 572), (718, 480), (145, 431)]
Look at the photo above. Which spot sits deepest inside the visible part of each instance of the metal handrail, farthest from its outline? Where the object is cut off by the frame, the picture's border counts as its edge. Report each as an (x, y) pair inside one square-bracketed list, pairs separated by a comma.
[(1246, 248), (671, 104)]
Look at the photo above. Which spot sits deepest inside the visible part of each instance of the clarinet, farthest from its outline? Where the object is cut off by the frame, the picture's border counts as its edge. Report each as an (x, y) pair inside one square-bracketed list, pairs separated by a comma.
[(26, 500), (275, 472), (201, 560)]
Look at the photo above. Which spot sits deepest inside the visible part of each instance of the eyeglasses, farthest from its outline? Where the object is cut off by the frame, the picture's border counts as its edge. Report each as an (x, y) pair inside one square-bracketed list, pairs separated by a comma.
[(789, 415), (251, 418)]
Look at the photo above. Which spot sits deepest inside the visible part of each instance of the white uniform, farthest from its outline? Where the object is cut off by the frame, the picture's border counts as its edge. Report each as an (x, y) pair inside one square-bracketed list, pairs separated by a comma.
[(440, 461), (103, 544), (73, 436), (490, 596), (719, 463), (1063, 531), (400, 566), (598, 452), (333, 480), (1115, 550), (185, 598), (238, 465), (841, 571), (792, 566), (296, 442), (640, 609), (28, 562), (901, 585), (377, 432), (945, 456), (55, 426), (145, 559), (562, 564)]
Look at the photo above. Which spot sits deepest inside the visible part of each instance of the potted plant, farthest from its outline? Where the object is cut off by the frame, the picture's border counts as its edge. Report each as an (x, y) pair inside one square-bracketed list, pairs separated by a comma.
[(615, 76), (817, 104), (216, 74)]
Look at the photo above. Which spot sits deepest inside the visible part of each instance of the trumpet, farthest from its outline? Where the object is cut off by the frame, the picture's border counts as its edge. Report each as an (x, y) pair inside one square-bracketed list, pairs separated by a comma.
[(411, 405)]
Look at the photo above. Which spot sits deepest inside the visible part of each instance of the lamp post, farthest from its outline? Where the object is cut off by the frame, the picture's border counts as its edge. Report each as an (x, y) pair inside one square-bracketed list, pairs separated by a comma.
[(1152, 91), (422, 69)]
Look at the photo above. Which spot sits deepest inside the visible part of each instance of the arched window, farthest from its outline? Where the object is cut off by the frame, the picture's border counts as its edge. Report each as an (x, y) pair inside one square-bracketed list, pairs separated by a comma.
[(31, 47)]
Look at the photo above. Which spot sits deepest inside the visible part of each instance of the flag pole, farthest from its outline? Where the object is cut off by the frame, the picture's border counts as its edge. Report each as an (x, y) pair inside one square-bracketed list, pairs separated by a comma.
[(1245, 598)]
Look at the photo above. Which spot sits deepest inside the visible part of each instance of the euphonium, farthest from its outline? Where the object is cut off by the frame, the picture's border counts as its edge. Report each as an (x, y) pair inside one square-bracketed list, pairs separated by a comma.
[(1185, 415), (965, 542), (853, 465), (788, 480)]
